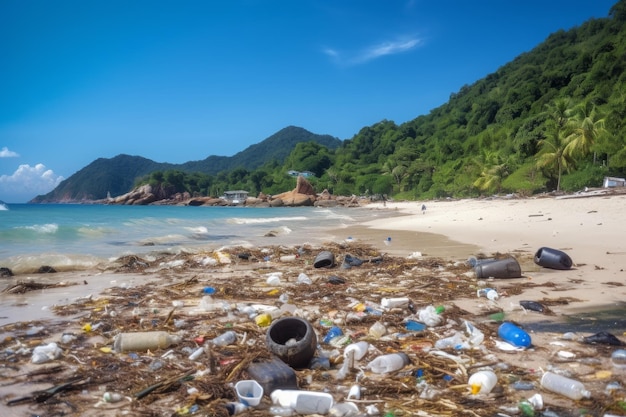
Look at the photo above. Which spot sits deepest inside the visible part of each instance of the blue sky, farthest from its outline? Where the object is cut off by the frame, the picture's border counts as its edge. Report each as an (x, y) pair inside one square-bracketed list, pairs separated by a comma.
[(175, 81)]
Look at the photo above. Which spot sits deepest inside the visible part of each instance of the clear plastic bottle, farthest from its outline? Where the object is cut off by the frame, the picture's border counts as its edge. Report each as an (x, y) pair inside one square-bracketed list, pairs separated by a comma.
[(482, 382), (514, 335), (565, 386), (618, 358), (142, 341), (225, 339), (377, 330), (388, 363)]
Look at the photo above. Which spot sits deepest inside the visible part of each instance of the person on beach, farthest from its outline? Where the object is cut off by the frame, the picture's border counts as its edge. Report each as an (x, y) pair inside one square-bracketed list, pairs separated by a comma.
[(423, 208)]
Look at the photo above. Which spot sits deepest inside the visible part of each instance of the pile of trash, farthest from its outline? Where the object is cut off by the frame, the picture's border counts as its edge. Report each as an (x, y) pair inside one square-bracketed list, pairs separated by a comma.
[(341, 330)]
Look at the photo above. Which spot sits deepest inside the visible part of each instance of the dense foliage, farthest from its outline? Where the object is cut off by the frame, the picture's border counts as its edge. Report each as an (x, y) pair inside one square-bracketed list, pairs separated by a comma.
[(552, 119)]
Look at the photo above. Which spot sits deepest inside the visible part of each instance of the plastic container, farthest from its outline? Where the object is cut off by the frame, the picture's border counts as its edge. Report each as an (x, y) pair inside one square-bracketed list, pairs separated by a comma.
[(377, 330), (142, 341), (501, 268), (324, 259), (553, 259), (249, 392), (565, 386), (401, 302), (359, 349), (618, 358), (482, 382), (293, 340), (303, 402), (514, 335), (388, 363), (225, 339), (272, 375)]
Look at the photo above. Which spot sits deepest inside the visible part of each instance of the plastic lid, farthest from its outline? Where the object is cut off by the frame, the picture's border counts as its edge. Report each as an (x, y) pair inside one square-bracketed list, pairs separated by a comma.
[(440, 309)]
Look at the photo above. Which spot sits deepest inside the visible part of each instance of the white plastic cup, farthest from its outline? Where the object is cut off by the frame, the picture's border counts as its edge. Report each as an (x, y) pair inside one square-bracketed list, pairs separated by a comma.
[(303, 402), (249, 392), (482, 382)]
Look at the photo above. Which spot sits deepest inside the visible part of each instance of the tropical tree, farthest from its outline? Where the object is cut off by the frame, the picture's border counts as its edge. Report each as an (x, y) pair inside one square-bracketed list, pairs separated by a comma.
[(553, 153), (587, 126)]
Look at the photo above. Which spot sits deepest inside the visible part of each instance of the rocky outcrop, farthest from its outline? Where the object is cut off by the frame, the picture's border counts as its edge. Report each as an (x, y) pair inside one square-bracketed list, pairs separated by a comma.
[(302, 195)]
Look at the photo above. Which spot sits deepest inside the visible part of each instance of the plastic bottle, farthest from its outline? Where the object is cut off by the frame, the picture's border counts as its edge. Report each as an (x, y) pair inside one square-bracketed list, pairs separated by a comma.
[(482, 382), (618, 358), (514, 335), (303, 402), (388, 363), (225, 339), (142, 341), (377, 330), (359, 349), (333, 333), (565, 386), (488, 293), (395, 302)]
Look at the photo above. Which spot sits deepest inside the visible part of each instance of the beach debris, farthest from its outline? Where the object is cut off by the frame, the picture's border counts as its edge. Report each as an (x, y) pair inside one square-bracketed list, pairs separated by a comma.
[(553, 259), (5, 272), (500, 268), (378, 313), (533, 306), (603, 338)]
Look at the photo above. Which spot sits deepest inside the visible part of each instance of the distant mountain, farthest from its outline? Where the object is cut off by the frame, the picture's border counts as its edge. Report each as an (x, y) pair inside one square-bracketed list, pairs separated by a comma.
[(117, 175)]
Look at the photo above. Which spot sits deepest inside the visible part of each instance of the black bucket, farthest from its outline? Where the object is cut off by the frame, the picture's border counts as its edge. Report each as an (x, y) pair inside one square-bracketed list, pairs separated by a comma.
[(273, 374), (553, 259), (324, 259), (501, 268), (293, 340)]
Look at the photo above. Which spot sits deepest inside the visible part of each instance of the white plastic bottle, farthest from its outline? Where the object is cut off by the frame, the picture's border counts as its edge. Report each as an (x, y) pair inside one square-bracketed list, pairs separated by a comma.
[(142, 341), (388, 363), (394, 302), (303, 402), (359, 349), (225, 339), (482, 382), (565, 386)]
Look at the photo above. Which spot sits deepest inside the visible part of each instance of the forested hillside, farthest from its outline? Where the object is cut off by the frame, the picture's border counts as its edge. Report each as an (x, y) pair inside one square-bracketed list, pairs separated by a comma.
[(552, 119)]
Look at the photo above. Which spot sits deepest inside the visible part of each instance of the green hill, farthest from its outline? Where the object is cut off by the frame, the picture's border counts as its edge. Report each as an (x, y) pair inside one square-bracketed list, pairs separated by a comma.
[(118, 175)]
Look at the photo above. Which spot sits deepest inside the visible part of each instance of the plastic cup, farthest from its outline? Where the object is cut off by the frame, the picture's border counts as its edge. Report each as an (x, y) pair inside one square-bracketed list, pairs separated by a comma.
[(249, 392)]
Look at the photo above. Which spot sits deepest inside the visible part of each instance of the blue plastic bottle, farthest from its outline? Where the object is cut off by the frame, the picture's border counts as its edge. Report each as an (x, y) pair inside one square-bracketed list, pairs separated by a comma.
[(514, 335)]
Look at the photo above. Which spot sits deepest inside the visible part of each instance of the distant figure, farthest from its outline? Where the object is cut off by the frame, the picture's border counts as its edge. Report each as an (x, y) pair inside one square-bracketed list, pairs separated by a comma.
[(423, 208)]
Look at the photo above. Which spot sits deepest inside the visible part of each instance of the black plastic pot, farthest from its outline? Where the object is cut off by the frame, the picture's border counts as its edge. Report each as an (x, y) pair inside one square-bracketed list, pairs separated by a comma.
[(324, 259), (501, 268), (293, 340), (553, 258)]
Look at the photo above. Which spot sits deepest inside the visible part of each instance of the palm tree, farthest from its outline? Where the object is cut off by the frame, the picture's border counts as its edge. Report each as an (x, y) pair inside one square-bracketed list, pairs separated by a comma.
[(494, 169), (588, 126), (554, 147)]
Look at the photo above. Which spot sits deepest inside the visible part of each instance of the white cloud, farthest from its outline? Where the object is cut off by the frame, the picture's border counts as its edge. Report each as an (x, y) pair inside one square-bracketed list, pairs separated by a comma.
[(27, 182), (374, 52), (388, 48), (6, 153)]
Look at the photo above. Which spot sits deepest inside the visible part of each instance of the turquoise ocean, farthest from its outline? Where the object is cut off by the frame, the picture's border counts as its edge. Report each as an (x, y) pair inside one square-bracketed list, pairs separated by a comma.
[(80, 236)]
